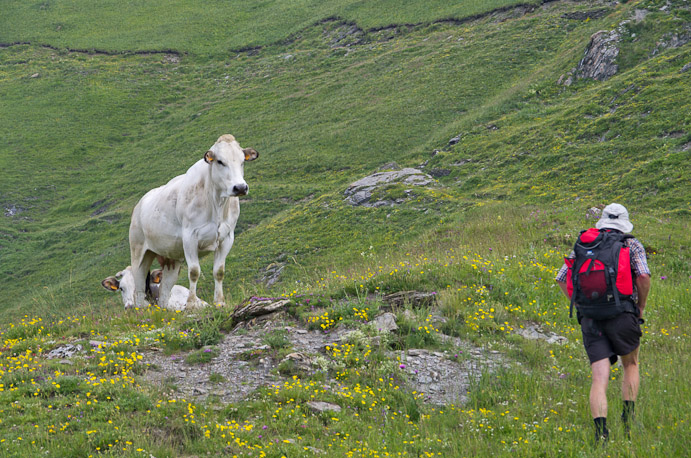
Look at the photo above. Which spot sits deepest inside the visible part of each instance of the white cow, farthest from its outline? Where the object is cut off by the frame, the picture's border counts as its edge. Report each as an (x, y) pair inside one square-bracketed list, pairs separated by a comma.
[(123, 281), (189, 217)]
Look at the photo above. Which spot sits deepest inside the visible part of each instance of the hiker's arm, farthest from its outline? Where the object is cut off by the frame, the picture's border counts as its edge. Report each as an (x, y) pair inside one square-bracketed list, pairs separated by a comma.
[(562, 285), (643, 288), (561, 278)]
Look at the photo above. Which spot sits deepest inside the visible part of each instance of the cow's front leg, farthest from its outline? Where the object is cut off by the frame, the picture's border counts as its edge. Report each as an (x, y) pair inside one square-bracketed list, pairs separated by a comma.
[(190, 245), (220, 268)]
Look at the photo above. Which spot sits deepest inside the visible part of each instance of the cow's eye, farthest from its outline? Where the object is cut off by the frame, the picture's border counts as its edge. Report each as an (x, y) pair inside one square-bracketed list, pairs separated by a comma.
[(220, 163)]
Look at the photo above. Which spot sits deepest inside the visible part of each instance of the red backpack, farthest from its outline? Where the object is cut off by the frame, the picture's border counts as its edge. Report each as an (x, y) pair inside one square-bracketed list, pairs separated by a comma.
[(600, 278)]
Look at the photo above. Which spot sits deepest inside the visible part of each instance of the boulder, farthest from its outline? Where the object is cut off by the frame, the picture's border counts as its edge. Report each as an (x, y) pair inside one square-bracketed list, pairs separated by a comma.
[(321, 406), (599, 62), (385, 322), (360, 192)]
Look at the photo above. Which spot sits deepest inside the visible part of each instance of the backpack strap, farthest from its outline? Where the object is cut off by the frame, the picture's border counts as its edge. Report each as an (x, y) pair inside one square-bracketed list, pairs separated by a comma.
[(611, 273), (616, 249), (574, 278)]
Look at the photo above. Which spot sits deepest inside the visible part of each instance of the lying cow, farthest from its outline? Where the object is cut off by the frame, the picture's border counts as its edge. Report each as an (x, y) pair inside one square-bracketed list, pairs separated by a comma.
[(192, 215), (123, 281)]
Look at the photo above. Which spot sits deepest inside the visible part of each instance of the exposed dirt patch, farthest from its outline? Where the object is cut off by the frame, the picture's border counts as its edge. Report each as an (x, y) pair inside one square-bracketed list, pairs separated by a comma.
[(245, 363)]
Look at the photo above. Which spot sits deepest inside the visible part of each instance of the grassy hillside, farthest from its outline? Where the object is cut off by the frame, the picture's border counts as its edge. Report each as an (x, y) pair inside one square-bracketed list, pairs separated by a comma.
[(492, 270), (219, 28), (86, 134), (100, 102)]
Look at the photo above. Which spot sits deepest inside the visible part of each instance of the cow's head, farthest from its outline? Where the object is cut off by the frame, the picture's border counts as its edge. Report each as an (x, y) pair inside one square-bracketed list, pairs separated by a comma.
[(226, 160), (123, 281)]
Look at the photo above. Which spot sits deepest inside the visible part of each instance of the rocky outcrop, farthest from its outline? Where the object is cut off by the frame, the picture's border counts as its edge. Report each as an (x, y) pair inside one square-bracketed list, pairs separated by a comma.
[(13, 210), (245, 362), (414, 299), (271, 273), (360, 192), (673, 40), (64, 351), (534, 332), (599, 62)]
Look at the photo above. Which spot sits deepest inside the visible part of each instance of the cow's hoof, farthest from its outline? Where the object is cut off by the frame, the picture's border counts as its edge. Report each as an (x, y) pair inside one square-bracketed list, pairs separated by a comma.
[(196, 303)]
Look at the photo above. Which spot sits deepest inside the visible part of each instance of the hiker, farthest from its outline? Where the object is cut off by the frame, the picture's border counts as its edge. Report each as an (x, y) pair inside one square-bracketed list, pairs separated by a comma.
[(605, 339)]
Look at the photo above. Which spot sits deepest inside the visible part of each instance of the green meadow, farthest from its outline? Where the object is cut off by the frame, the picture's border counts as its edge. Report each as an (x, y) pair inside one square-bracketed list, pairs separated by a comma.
[(100, 103)]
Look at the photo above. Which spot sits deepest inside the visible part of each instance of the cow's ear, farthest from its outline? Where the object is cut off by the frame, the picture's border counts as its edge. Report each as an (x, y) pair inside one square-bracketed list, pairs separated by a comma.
[(111, 284), (156, 276), (209, 157), (250, 154)]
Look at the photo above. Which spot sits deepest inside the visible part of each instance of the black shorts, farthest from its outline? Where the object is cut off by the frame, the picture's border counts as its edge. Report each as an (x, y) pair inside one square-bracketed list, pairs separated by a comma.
[(608, 338)]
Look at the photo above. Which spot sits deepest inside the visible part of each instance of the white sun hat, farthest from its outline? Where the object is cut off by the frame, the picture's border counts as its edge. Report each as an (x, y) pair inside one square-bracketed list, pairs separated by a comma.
[(615, 216)]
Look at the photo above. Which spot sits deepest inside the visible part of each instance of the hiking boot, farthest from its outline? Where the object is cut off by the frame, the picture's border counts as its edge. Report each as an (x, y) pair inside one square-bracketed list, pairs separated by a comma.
[(601, 431), (628, 417)]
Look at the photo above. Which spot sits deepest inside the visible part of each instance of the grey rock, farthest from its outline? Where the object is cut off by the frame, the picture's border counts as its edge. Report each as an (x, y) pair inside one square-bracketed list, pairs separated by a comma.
[(13, 210), (271, 273), (320, 407), (385, 322), (443, 378), (534, 332), (360, 192), (672, 40), (599, 62), (64, 351)]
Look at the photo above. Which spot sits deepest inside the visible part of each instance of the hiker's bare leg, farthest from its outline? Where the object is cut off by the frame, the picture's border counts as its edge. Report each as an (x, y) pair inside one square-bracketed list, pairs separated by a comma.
[(598, 388), (632, 380)]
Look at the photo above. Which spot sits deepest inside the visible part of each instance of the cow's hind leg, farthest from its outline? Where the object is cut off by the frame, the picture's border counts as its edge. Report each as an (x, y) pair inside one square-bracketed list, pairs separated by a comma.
[(171, 270), (139, 271)]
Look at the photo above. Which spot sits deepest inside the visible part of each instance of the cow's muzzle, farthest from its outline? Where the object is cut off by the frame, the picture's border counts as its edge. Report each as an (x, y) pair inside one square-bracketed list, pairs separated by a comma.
[(240, 190)]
